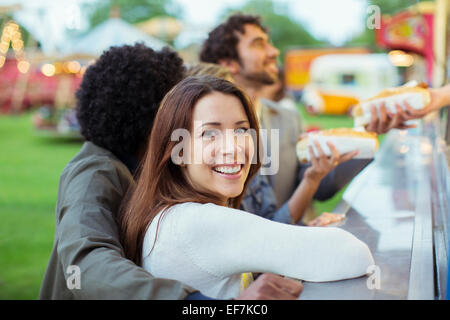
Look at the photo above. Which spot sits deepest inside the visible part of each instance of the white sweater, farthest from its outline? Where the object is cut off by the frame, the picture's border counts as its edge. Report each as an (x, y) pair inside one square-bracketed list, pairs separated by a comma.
[(208, 247)]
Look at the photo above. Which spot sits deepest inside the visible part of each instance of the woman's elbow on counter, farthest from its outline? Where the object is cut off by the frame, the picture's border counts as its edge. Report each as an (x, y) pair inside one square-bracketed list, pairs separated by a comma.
[(347, 257), (358, 259)]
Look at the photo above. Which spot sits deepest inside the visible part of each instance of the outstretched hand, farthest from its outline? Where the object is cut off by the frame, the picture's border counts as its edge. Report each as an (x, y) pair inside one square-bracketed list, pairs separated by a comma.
[(385, 120), (440, 97)]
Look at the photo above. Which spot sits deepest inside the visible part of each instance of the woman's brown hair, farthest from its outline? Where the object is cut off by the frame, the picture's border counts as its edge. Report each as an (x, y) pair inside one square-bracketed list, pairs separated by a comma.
[(161, 183)]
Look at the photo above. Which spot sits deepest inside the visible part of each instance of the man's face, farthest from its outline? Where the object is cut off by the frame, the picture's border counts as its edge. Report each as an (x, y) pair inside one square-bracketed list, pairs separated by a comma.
[(257, 56)]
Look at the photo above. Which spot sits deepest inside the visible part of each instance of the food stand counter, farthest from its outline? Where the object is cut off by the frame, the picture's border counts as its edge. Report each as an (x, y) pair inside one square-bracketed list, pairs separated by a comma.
[(399, 206)]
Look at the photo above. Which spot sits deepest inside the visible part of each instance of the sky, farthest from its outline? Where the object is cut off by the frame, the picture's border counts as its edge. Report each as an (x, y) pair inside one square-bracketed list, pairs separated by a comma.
[(335, 21), (331, 20)]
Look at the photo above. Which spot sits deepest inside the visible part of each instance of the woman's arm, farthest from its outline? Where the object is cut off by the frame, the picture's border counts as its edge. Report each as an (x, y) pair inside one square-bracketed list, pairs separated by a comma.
[(223, 241)]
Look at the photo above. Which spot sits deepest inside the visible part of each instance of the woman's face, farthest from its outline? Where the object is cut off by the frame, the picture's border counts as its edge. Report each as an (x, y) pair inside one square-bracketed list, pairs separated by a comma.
[(221, 148)]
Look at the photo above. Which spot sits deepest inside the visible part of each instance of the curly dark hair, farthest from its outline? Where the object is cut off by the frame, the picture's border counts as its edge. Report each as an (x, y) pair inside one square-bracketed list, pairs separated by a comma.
[(120, 95), (222, 41)]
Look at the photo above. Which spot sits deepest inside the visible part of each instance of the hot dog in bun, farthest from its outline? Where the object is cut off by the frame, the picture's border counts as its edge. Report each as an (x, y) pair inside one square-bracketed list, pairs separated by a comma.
[(416, 96), (344, 139)]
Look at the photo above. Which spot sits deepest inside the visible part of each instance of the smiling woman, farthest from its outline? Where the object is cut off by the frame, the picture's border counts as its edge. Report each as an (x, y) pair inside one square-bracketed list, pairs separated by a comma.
[(220, 135), (181, 221), (206, 107)]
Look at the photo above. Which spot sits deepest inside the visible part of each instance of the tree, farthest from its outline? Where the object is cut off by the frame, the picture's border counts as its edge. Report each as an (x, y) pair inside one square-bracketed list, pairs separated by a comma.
[(134, 11), (284, 31), (393, 6)]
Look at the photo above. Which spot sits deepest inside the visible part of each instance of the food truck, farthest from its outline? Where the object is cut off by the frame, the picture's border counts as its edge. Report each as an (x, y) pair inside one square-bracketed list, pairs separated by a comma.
[(297, 63), (338, 81)]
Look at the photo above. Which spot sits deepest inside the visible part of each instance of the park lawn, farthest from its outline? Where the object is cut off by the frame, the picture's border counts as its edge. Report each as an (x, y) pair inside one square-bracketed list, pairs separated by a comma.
[(325, 121), (30, 166)]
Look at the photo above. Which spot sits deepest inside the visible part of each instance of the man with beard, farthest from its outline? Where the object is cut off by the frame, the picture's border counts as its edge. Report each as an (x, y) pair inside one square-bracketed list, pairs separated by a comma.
[(242, 44)]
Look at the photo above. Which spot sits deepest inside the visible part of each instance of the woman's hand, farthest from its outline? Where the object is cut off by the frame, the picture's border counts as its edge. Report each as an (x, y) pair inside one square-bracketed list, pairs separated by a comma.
[(325, 219), (322, 165), (269, 286)]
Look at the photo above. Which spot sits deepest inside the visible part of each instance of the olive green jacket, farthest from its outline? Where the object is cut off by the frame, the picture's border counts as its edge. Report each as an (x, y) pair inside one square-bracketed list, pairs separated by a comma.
[(87, 260)]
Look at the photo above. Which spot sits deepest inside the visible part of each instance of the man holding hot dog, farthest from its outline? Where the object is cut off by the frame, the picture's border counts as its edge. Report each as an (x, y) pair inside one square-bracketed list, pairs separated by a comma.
[(242, 44)]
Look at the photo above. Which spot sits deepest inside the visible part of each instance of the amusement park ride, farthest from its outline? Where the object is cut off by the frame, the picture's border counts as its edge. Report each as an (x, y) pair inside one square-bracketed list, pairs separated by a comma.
[(30, 78)]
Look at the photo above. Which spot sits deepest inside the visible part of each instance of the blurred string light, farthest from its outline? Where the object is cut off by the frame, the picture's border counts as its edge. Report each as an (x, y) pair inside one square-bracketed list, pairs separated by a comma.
[(11, 35), (400, 58), (48, 69), (23, 66), (71, 67)]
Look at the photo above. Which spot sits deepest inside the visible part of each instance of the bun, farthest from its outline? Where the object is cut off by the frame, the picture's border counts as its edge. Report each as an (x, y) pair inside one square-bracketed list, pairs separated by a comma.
[(344, 139), (417, 97)]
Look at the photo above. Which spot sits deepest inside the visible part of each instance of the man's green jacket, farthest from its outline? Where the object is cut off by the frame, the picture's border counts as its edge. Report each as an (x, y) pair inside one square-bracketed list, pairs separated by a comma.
[(87, 260)]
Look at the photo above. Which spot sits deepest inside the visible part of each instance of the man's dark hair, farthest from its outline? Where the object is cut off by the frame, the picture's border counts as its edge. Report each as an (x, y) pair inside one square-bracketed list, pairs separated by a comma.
[(222, 41), (120, 95)]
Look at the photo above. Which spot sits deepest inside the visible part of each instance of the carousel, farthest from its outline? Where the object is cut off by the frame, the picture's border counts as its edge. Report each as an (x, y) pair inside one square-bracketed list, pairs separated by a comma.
[(45, 83)]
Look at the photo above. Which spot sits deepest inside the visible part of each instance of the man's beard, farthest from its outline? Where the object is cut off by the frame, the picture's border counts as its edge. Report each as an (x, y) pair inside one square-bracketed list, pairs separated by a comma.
[(263, 78)]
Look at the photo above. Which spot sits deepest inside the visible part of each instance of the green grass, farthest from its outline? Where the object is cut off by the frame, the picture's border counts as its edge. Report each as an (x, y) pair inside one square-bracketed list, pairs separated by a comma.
[(30, 166), (325, 121)]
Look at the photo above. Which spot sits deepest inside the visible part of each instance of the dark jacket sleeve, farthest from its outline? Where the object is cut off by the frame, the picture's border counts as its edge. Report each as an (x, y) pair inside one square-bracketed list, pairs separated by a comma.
[(87, 236), (338, 178)]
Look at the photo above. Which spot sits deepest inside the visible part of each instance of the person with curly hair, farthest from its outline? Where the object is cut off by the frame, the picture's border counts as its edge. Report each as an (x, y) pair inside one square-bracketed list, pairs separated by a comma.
[(116, 105), (120, 95), (242, 44)]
